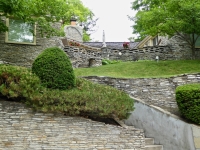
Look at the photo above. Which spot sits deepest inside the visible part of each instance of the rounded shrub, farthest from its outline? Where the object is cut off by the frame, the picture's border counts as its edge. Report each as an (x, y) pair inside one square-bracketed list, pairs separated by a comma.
[(188, 101), (54, 69)]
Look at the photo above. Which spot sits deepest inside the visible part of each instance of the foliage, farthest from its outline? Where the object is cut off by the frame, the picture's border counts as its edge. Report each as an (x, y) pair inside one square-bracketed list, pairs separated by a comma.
[(54, 69), (168, 17), (131, 39), (18, 82), (89, 27), (188, 100), (44, 13), (86, 36), (142, 69), (126, 44), (107, 62), (86, 99), (84, 16), (73, 43)]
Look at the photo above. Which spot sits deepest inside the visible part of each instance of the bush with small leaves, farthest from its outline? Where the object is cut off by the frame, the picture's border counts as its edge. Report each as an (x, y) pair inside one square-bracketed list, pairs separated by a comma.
[(54, 69), (188, 100)]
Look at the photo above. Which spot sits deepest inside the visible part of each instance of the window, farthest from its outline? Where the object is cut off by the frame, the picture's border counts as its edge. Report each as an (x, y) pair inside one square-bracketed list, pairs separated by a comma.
[(197, 44), (20, 32)]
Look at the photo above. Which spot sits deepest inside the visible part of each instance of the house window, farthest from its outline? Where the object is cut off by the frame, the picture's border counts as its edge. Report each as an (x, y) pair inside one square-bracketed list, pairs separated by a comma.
[(197, 44), (20, 32)]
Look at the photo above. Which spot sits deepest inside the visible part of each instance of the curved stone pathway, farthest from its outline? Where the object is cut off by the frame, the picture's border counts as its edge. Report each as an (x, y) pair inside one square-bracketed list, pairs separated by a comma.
[(23, 129)]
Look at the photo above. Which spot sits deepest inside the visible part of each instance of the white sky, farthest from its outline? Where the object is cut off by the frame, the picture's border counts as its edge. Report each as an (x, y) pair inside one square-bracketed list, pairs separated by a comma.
[(113, 19)]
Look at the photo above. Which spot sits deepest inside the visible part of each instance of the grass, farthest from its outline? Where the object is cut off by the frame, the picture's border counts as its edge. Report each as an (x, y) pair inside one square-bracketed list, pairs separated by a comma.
[(142, 69)]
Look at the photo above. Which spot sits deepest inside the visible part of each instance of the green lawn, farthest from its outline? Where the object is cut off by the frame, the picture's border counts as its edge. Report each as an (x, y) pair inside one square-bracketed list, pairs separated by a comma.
[(141, 69)]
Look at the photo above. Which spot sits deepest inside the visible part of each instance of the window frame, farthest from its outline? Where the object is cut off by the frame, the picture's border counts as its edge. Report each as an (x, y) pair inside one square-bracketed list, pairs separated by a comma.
[(197, 46), (15, 42)]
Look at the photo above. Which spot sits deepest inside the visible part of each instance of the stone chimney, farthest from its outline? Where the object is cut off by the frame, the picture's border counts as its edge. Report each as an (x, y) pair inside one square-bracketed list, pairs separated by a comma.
[(73, 31), (73, 21)]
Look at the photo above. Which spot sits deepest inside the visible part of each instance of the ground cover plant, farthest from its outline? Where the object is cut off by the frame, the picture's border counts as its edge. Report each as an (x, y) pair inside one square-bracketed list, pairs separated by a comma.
[(142, 69), (107, 62), (18, 82), (86, 98), (188, 100)]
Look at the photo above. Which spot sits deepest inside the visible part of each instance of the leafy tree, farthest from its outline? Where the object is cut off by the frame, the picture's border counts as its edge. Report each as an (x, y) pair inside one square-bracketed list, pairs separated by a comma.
[(168, 17), (43, 12), (84, 16), (89, 27)]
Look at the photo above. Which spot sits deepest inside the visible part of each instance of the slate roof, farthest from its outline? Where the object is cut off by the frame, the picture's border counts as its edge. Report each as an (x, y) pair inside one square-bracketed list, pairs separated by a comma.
[(112, 45)]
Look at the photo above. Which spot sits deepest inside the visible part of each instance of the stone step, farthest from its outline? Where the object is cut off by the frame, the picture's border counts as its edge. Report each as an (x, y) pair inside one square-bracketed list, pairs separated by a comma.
[(149, 141), (22, 128), (153, 147)]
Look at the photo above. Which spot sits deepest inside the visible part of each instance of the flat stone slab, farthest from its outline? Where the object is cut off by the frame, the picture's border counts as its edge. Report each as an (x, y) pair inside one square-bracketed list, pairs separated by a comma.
[(23, 129)]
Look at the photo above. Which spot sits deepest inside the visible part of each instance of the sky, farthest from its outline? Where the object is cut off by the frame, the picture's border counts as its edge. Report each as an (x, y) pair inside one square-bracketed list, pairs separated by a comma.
[(113, 19)]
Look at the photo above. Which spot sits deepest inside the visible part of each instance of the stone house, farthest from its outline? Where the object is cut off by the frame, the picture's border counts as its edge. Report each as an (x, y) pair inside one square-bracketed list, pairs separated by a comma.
[(19, 46), (181, 48)]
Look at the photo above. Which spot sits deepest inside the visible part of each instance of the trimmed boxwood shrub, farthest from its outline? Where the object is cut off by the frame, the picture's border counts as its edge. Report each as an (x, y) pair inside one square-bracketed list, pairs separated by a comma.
[(188, 100), (54, 69)]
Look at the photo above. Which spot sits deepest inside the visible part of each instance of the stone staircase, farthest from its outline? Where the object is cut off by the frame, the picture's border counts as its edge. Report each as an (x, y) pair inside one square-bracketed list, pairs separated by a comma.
[(149, 142), (21, 128), (149, 145)]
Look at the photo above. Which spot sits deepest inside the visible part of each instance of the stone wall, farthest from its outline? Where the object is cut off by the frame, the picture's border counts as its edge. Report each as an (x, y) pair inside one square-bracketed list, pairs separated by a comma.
[(148, 53), (153, 91), (24, 54), (83, 56), (180, 47), (167, 129)]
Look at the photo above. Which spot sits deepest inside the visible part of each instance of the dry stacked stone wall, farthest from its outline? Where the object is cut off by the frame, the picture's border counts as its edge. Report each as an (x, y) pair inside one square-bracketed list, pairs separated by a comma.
[(149, 53), (81, 57), (24, 54), (153, 91)]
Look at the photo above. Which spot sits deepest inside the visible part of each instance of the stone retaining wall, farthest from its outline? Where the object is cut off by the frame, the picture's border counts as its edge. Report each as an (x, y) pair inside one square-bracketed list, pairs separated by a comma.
[(149, 53), (153, 91), (167, 129)]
